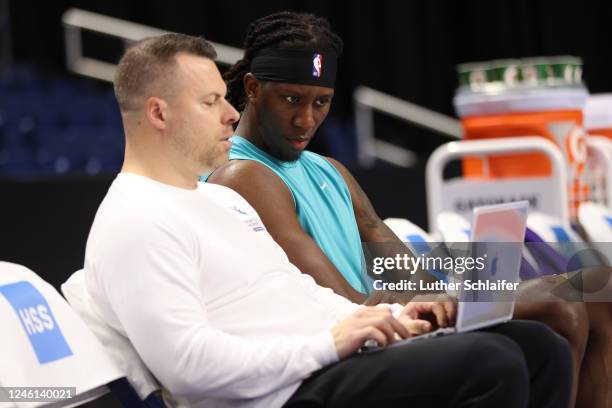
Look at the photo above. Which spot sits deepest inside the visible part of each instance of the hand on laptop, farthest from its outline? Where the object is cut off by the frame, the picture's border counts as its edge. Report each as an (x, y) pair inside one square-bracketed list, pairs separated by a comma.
[(439, 309), (374, 323)]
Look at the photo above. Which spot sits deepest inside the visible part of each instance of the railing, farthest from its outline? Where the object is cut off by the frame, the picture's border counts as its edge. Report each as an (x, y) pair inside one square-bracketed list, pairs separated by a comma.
[(442, 195), (76, 20), (369, 148)]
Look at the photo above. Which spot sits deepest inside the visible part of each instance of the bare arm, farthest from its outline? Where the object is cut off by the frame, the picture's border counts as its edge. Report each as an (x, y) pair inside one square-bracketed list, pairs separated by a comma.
[(372, 230), (371, 227), (272, 200)]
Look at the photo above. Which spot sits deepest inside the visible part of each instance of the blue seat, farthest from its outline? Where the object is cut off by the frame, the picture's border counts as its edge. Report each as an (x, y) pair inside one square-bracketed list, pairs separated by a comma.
[(54, 126)]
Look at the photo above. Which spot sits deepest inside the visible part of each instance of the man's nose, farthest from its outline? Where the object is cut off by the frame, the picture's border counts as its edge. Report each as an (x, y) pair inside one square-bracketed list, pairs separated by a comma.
[(232, 114), (305, 118)]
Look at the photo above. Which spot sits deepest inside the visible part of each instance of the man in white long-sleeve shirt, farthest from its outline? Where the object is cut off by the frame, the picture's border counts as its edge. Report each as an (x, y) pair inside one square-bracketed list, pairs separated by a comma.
[(220, 316)]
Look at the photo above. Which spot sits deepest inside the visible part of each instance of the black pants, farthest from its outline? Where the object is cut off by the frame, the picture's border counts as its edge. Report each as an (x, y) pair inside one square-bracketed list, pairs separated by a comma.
[(516, 364)]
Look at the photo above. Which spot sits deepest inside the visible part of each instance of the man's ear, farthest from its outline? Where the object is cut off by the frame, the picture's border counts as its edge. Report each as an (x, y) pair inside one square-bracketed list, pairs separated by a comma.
[(156, 111), (251, 86)]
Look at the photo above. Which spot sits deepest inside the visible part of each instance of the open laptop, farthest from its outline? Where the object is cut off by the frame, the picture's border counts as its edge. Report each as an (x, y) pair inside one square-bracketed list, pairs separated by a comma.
[(497, 231)]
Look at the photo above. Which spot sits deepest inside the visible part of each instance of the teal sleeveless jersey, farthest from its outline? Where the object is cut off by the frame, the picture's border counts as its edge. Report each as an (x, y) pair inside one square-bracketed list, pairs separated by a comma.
[(323, 205)]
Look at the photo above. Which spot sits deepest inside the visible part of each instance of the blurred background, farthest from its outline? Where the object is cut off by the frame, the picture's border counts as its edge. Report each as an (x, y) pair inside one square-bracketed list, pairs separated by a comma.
[(61, 139)]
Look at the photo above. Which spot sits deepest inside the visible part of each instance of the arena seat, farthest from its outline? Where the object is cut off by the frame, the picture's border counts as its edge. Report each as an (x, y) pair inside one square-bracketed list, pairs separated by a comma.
[(596, 221), (45, 343), (52, 126)]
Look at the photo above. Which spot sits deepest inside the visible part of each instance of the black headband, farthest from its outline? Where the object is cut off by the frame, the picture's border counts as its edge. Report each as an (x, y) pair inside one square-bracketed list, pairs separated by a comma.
[(304, 67)]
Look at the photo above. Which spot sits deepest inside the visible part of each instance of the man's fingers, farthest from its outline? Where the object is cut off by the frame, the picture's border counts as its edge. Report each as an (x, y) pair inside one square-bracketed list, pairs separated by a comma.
[(400, 328), (385, 327), (372, 333), (416, 309), (412, 310), (374, 311), (382, 318), (388, 325), (451, 311), (416, 327), (444, 312), (440, 312)]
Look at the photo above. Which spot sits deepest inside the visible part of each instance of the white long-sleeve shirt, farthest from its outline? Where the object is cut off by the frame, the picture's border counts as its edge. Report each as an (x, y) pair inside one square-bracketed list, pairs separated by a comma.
[(208, 299)]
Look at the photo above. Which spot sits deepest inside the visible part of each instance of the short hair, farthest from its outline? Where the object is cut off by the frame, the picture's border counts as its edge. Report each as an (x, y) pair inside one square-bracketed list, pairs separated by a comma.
[(148, 61), (284, 29)]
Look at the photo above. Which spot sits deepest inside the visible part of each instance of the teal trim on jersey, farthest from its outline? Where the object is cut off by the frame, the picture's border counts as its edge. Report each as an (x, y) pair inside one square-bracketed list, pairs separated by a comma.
[(323, 205)]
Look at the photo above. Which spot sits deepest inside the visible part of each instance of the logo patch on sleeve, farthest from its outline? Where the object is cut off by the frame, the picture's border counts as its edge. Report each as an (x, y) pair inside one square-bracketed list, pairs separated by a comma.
[(253, 222)]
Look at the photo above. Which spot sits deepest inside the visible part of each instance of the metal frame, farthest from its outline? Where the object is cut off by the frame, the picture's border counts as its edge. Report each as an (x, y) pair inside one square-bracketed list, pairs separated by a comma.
[(368, 100), (602, 147), (76, 20), (456, 150)]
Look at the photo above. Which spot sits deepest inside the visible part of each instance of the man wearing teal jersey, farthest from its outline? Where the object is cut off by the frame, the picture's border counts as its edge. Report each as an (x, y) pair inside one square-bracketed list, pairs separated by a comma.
[(310, 204)]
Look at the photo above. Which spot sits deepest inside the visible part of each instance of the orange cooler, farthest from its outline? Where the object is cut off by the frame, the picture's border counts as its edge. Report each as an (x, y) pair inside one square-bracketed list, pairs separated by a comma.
[(554, 113)]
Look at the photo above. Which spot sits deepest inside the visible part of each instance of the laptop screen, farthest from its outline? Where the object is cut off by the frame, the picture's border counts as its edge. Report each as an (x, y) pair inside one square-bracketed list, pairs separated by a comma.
[(497, 237)]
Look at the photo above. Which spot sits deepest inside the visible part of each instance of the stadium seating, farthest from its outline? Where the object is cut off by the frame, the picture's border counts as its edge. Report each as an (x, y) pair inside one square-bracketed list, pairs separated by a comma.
[(54, 126)]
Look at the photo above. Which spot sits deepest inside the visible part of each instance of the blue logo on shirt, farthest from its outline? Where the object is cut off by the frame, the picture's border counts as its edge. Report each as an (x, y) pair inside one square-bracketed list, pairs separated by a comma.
[(37, 321)]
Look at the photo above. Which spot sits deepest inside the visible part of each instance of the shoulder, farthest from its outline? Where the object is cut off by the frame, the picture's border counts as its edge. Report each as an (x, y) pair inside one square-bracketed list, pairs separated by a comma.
[(133, 215), (339, 166), (239, 169), (327, 164), (342, 170), (247, 175), (221, 195)]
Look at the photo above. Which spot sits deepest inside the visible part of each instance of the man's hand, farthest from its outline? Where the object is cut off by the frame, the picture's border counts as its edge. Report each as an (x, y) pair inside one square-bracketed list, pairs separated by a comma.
[(375, 323), (441, 309)]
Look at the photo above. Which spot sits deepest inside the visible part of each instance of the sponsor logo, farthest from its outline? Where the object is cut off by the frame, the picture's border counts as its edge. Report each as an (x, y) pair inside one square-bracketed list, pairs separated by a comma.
[(37, 321), (317, 65)]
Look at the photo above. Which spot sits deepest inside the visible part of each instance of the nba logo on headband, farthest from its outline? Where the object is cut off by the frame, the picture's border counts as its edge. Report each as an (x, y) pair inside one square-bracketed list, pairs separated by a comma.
[(317, 65), (296, 66)]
